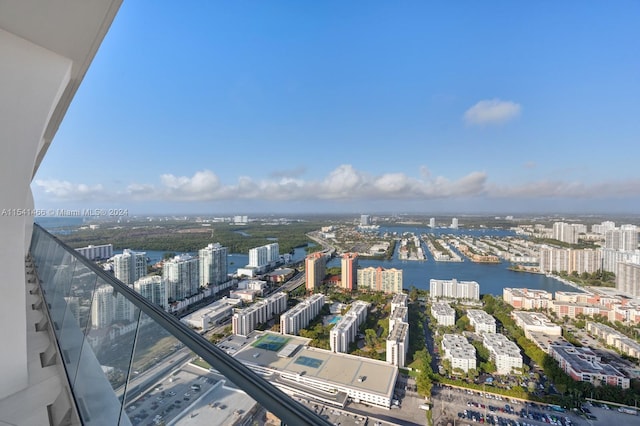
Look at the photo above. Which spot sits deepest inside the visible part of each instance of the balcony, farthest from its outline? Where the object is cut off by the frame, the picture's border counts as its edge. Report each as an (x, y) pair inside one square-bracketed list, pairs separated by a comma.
[(128, 362)]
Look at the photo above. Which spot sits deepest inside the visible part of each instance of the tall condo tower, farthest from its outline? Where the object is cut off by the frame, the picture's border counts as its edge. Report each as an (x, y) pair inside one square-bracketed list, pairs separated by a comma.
[(181, 276), (349, 265), (315, 270), (213, 265), (130, 266)]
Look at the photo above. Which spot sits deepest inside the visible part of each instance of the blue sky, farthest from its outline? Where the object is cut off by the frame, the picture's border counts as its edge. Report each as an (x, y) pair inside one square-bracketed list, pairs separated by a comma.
[(289, 106)]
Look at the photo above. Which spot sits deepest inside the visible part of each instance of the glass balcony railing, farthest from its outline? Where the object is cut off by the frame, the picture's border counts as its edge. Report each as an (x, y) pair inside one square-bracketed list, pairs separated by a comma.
[(130, 363)]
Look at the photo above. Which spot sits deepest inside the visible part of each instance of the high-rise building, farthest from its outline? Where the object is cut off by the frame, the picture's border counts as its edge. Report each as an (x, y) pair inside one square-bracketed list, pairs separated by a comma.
[(315, 270), (154, 288), (628, 278), (213, 265), (603, 227), (553, 259), (454, 289), (565, 232), (454, 223), (365, 220), (181, 276), (101, 252), (108, 307), (625, 238), (380, 279), (432, 222), (262, 256), (611, 258), (349, 265), (130, 266)]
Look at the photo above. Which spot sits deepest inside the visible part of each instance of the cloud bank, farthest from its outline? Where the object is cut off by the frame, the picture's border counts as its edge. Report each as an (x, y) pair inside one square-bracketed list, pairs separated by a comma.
[(344, 183), (492, 111)]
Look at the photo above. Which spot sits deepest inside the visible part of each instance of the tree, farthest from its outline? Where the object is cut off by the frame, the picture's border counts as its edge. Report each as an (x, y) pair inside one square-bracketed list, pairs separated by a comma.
[(370, 337)]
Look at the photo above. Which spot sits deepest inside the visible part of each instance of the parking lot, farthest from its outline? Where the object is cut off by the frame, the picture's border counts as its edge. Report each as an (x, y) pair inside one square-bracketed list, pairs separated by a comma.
[(180, 397)]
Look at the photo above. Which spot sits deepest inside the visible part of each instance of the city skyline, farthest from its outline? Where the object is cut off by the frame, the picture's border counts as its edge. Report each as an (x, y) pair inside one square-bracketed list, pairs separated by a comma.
[(343, 108)]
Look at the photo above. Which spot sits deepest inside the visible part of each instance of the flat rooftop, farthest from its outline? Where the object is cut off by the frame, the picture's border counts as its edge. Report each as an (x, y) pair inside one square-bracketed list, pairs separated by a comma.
[(355, 372)]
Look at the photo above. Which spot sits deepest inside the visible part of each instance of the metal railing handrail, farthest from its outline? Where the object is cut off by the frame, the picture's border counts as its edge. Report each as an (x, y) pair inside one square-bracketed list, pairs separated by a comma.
[(270, 397)]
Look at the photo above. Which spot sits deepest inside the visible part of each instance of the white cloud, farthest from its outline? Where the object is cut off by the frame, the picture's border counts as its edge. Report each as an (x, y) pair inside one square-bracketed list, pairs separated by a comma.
[(568, 190), (492, 111), (344, 183), (65, 190)]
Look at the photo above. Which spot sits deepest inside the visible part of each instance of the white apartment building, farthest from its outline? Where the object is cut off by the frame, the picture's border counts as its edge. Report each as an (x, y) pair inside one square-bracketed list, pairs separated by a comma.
[(398, 316), (628, 278), (481, 321), (523, 298), (130, 266), (460, 353), (266, 255), (603, 227), (565, 232), (553, 259), (181, 274), (444, 314), (154, 288), (398, 343), (454, 289), (244, 321), (625, 238), (346, 330), (213, 265), (611, 258), (535, 322), (399, 300), (107, 308), (101, 252), (504, 353), (298, 317)]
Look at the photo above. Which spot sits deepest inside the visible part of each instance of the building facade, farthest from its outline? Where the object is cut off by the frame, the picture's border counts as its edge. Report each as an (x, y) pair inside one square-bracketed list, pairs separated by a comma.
[(583, 365), (181, 275), (266, 255), (628, 278), (101, 252), (315, 270), (349, 263), (380, 279), (213, 265), (444, 314), (344, 331), (298, 317), (460, 353), (454, 289), (154, 288), (481, 321), (504, 353), (130, 266), (523, 298), (245, 320)]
